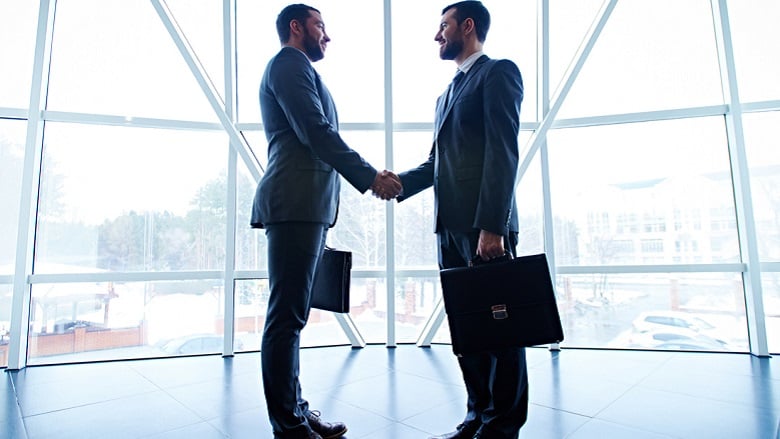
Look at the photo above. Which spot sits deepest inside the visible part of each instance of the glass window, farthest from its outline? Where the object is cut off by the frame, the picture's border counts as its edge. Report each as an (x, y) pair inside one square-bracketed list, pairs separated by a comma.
[(674, 311), (762, 131), (420, 76), (368, 309), (771, 288), (116, 57), (360, 226), (6, 297), (650, 56), (415, 241), (530, 204), (201, 22), (756, 39), (646, 176), (131, 199), (12, 139), (569, 24), (17, 48), (76, 322), (251, 250), (353, 67)]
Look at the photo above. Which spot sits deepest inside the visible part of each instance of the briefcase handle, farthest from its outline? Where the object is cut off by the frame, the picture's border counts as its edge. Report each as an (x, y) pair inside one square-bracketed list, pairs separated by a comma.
[(477, 260)]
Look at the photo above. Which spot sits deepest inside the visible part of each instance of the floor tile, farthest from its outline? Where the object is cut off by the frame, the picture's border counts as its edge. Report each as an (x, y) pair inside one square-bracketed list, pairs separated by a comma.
[(203, 430), (76, 388), (689, 417), (397, 395), (130, 417), (597, 429)]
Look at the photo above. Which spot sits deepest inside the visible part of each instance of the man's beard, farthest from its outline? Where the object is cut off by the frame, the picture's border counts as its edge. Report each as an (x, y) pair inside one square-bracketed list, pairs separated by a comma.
[(312, 47), (451, 49)]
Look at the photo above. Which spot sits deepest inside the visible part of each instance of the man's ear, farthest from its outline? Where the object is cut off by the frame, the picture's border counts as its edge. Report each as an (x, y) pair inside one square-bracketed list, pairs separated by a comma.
[(468, 26), (296, 28)]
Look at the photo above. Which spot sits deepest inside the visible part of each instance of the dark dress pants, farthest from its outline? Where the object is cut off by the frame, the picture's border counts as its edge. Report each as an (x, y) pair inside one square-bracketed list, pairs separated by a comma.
[(497, 381), (293, 252)]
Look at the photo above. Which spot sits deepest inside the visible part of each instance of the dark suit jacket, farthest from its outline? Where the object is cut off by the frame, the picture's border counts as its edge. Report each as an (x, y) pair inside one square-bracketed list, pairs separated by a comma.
[(473, 163), (305, 151)]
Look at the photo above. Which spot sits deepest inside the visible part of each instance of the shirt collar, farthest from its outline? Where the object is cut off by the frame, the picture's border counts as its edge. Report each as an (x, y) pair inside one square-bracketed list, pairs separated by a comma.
[(466, 65)]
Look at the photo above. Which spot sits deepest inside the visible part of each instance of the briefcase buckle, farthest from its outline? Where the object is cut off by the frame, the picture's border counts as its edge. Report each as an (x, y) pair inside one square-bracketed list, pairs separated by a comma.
[(499, 312)]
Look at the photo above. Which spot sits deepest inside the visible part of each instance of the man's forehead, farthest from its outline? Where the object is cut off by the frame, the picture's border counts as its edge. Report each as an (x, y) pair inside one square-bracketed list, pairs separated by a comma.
[(449, 15)]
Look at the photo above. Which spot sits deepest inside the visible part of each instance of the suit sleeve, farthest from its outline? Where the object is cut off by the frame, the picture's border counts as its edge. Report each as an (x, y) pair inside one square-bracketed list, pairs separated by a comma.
[(503, 94), (417, 179), (293, 82)]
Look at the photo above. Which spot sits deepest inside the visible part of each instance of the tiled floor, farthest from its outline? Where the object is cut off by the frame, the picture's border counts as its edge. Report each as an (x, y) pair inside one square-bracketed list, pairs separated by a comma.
[(407, 392)]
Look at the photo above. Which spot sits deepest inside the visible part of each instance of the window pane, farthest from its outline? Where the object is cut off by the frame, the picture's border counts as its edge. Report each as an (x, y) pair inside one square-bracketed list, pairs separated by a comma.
[(650, 56), (676, 311), (17, 48), (761, 133), (420, 76), (530, 204), (756, 40), (569, 24), (771, 287), (251, 250), (76, 322), (115, 57), (12, 139), (201, 23), (644, 193), (131, 199), (415, 241), (6, 296), (360, 226), (353, 67)]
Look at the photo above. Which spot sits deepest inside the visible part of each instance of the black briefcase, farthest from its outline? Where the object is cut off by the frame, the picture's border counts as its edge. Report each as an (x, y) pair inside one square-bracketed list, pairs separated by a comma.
[(500, 305), (330, 291)]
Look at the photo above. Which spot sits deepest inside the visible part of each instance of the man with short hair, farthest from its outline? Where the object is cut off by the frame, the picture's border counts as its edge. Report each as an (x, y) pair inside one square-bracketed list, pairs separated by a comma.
[(473, 167), (296, 202)]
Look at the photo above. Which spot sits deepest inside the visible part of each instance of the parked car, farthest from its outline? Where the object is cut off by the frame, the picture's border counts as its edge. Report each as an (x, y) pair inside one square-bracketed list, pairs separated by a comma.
[(681, 325), (198, 344)]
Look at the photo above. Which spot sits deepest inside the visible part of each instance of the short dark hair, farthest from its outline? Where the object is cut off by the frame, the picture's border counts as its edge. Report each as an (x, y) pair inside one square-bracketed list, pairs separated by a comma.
[(474, 10), (298, 12)]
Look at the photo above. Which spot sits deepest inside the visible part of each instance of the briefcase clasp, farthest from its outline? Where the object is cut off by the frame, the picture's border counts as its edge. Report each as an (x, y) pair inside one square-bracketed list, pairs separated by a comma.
[(499, 312)]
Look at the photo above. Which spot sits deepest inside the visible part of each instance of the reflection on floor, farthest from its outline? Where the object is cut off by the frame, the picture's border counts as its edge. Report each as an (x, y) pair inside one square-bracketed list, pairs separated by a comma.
[(407, 392)]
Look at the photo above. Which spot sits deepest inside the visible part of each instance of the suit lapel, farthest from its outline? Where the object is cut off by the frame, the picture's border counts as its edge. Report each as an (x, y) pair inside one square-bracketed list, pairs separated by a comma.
[(442, 110)]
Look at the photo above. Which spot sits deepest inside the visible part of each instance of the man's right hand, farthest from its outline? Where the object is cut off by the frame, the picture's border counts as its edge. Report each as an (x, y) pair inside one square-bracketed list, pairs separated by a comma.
[(386, 185)]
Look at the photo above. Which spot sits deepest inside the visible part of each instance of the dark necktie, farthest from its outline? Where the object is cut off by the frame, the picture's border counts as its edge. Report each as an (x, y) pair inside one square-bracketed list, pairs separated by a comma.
[(454, 85)]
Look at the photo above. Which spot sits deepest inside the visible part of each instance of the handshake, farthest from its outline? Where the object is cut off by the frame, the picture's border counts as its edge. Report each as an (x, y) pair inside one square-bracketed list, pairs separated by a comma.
[(386, 185)]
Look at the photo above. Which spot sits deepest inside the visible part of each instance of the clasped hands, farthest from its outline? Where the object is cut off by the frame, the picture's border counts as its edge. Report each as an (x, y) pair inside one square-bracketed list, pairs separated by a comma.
[(386, 185)]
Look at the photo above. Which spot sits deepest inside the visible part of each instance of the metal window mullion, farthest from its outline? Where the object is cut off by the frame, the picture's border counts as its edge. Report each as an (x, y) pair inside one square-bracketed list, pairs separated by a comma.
[(746, 225), (25, 241), (390, 209), (229, 284), (543, 104)]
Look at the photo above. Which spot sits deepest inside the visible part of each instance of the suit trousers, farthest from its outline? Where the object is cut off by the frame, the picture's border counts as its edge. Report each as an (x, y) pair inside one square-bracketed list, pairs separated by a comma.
[(293, 252), (497, 381)]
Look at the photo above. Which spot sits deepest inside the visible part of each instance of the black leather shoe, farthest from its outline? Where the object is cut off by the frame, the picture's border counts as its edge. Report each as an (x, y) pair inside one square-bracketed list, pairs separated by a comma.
[(313, 435), (462, 432), (328, 430)]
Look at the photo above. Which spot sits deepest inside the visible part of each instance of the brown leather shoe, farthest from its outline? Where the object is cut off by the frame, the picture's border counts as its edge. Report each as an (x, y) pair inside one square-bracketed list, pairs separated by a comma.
[(463, 431), (328, 430)]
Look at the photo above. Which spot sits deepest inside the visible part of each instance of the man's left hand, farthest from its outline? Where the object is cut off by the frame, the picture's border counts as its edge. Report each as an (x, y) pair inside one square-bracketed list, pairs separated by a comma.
[(490, 245)]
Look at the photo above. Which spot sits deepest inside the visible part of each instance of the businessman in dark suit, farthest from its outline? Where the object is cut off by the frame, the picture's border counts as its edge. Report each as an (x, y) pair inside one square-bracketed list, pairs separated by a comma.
[(472, 168), (296, 202)]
